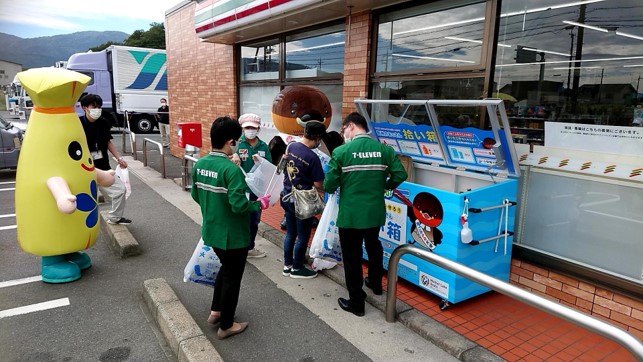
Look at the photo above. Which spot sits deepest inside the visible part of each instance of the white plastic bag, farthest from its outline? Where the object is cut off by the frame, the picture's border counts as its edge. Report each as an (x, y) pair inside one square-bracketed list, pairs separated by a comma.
[(123, 175), (325, 244), (203, 266), (321, 264), (263, 179)]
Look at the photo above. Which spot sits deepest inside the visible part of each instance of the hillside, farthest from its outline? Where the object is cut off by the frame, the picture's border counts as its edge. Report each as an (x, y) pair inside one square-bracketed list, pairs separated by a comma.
[(45, 51)]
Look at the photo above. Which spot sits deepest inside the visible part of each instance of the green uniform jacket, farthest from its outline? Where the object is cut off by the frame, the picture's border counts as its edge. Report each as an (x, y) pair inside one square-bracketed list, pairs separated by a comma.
[(360, 168), (219, 187), (246, 151)]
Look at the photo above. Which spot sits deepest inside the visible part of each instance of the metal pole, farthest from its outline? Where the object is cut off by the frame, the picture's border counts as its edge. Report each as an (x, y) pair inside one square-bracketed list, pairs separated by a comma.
[(184, 173), (161, 152), (593, 324)]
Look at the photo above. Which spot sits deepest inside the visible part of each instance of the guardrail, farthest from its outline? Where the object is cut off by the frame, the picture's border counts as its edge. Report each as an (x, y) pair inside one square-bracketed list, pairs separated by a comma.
[(185, 174), (132, 136), (160, 146), (595, 325), (132, 141)]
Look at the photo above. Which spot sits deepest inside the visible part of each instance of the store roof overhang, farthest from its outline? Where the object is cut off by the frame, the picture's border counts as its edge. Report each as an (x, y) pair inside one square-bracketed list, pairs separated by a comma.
[(245, 23)]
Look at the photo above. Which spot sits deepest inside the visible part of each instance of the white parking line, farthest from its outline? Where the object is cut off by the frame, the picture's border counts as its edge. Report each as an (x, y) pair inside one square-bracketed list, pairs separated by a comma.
[(8, 189), (7, 215), (7, 182), (10, 283), (62, 302), (9, 227)]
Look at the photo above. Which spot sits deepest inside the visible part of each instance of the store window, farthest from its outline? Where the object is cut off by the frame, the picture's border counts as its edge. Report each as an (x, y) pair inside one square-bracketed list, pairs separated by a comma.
[(315, 56), (310, 57), (576, 65), (432, 36), (432, 51), (260, 60), (572, 62)]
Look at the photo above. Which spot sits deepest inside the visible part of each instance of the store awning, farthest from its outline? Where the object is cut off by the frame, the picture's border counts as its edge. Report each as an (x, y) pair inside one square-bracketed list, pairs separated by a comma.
[(229, 22)]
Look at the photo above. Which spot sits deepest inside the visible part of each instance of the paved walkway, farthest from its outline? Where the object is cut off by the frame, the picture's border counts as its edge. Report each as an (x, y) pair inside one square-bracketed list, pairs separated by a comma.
[(493, 322), (290, 319)]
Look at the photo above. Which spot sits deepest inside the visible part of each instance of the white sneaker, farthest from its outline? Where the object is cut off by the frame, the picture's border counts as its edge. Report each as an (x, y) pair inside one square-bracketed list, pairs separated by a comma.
[(256, 253)]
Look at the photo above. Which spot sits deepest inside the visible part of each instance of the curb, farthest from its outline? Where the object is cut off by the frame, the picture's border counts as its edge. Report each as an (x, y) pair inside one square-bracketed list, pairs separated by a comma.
[(183, 335), (428, 328), (119, 238)]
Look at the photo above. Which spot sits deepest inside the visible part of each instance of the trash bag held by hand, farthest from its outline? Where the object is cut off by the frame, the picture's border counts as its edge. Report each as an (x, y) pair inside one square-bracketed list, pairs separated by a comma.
[(203, 266), (264, 179), (325, 244)]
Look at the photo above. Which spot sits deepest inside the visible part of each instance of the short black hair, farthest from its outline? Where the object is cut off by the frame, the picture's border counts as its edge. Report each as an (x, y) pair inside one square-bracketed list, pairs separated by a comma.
[(357, 119), (223, 130), (314, 130), (91, 100)]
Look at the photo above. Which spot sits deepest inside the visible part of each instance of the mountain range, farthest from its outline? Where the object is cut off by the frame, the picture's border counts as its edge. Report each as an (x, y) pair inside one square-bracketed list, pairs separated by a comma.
[(47, 50)]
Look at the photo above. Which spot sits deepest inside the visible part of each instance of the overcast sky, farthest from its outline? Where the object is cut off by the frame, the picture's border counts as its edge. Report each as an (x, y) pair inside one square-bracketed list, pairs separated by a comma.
[(36, 18)]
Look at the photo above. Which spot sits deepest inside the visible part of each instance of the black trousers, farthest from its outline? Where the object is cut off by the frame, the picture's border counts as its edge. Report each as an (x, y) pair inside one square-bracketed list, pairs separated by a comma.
[(351, 241), (228, 284)]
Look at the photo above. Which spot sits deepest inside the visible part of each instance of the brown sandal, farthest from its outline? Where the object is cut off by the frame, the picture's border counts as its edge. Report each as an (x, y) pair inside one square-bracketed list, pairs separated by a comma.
[(221, 334)]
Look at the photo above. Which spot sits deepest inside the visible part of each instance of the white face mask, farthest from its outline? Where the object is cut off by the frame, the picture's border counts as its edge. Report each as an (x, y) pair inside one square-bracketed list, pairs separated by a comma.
[(95, 113), (234, 148), (250, 133)]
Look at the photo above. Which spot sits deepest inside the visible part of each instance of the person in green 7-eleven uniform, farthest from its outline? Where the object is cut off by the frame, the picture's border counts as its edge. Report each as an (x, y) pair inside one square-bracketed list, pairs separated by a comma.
[(363, 169), (249, 149), (218, 186)]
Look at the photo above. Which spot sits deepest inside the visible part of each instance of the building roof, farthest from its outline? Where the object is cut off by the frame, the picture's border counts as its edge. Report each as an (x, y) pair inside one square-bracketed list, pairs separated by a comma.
[(8, 61)]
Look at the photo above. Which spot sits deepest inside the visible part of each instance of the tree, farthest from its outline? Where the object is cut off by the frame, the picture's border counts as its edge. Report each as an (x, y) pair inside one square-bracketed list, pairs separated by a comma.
[(152, 38)]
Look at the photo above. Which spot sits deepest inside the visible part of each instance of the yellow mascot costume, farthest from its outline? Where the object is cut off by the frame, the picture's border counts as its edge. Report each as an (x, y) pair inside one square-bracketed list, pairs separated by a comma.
[(56, 190)]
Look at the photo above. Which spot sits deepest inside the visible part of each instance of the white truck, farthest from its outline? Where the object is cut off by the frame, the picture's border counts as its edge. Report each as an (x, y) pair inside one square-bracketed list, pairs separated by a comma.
[(130, 80)]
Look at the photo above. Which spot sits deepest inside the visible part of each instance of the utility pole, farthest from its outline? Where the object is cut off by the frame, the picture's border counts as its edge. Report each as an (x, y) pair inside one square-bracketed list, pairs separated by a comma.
[(637, 89), (578, 57)]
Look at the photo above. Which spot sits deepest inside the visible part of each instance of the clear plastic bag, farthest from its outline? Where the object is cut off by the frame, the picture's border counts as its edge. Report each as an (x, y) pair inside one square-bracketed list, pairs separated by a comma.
[(264, 179), (325, 244), (203, 266)]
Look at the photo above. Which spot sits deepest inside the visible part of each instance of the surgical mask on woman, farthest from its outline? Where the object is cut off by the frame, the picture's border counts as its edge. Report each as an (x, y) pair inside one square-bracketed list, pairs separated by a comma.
[(95, 113), (250, 133)]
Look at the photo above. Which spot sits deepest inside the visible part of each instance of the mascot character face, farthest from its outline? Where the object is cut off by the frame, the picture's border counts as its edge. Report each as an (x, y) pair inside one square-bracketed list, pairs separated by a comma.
[(291, 107)]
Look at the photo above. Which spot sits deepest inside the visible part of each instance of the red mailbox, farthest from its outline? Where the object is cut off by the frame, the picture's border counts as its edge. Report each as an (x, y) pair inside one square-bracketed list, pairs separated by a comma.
[(189, 134)]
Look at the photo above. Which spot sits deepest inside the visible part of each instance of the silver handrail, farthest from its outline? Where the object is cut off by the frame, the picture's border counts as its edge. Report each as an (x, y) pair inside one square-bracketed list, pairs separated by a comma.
[(160, 146), (596, 325), (132, 136), (184, 171)]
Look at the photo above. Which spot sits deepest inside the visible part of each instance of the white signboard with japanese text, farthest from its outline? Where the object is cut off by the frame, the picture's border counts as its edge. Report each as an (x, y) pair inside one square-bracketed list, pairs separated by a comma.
[(594, 137)]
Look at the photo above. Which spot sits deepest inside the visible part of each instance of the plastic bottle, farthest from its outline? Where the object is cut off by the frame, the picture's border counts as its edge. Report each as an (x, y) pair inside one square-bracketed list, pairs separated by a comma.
[(466, 236)]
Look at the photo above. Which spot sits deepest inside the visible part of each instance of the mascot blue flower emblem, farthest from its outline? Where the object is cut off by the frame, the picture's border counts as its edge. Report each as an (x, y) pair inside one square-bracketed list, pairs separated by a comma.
[(88, 203)]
